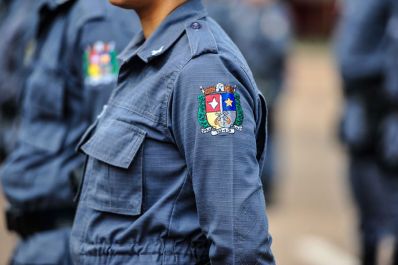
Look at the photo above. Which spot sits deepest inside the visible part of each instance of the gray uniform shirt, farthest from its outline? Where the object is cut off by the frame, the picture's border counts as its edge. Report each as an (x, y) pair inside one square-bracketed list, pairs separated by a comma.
[(173, 169)]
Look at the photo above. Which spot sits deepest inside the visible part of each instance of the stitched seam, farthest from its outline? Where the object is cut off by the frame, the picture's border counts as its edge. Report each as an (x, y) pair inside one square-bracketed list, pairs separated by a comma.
[(184, 64), (172, 85), (110, 208), (175, 203), (165, 103)]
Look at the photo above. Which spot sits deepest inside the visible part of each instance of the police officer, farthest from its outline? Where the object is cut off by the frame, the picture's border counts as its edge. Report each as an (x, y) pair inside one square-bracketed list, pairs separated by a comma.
[(174, 161), (265, 46), (369, 127), (17, 29), (73, 72)]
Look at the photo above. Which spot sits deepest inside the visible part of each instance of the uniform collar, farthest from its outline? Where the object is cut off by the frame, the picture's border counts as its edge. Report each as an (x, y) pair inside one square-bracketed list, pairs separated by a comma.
[(166, 34)]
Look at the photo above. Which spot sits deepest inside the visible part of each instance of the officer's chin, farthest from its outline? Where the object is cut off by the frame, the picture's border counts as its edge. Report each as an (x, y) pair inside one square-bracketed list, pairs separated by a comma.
[(122, 3)]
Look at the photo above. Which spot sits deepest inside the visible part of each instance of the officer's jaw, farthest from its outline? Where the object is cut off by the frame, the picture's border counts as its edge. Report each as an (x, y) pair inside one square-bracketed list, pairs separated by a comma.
[(150, 12), (131, 4)]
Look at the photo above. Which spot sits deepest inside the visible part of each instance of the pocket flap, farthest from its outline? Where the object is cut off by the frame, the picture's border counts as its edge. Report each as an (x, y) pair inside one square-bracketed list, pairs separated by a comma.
[(45, 93), (115, 142)]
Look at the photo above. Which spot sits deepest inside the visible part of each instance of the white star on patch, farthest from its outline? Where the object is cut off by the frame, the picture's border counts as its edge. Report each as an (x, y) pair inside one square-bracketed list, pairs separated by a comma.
[(214, 103)]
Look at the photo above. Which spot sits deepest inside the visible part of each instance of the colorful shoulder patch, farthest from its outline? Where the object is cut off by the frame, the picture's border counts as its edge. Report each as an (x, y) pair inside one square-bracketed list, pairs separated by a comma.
[(100, 63), (220, 110)]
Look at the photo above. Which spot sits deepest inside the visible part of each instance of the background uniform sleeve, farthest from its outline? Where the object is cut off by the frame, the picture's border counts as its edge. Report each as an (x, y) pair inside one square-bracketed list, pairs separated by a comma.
[(360, 38), (224, 167)]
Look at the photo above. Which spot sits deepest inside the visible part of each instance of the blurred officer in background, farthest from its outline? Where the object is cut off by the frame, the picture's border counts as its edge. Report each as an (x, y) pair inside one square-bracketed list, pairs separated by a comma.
[(174, 161), (367, 54), (17, 28), (388, 142), (262, 31), (221, 11), (74, 68)]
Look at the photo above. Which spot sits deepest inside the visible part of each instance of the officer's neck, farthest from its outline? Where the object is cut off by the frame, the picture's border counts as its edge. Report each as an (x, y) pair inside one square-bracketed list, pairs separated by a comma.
[(151, 16)]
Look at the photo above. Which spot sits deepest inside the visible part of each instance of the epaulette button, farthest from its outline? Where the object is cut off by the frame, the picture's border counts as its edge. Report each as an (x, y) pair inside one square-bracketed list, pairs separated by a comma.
[(196, 25)]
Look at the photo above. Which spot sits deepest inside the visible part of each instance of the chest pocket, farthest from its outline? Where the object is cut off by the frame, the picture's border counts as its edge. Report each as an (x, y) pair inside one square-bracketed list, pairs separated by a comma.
[(43, 125), (114, 181)]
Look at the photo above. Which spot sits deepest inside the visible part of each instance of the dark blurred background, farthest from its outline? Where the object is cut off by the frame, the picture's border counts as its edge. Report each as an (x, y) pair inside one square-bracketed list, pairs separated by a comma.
[(314, 18)]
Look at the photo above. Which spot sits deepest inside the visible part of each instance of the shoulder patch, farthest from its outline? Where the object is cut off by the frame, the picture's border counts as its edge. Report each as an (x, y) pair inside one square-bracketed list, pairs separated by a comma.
[(100, 63), (220, 110)]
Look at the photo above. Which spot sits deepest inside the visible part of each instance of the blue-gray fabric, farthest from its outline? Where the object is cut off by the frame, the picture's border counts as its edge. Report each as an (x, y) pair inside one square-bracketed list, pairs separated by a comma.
[(391, 66), (370, 189), (361, 38), (4, 8), (48, 247), (17, 29), (367, 56), (389, 142), (367, 43), (367, 51), (57, 107), (156, 189), (17, 26)]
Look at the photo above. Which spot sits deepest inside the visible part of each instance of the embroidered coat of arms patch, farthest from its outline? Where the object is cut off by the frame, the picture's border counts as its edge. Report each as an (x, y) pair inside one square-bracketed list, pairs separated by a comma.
[(220, 110), (100, 63)]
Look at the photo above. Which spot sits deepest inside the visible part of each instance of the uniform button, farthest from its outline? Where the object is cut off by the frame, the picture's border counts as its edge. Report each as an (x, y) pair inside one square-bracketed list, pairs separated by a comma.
[(196, 25)]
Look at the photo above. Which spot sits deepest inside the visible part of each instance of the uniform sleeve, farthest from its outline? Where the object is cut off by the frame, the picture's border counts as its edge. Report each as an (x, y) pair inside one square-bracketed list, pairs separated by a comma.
[(100, 43), (214, 124), (360, 38)]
